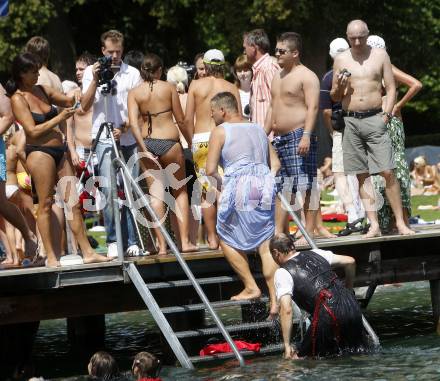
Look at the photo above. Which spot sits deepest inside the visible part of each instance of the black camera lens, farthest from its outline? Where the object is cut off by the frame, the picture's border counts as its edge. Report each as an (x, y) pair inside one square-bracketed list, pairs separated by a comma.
[(247, 110), (105, 74)]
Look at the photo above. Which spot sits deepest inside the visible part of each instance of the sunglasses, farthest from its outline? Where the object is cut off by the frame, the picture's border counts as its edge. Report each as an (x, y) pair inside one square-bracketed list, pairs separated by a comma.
[(281, 51)]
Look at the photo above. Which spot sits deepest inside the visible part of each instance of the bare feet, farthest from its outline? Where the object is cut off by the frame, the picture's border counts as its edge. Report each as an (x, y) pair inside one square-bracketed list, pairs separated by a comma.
[(7, 261), (404, 230), (374, 231), (9, 264), (323, 232), (213, 242), (52, 263), (31, 247), (189, 247), (247, 294), (96, 258), (161, 250)]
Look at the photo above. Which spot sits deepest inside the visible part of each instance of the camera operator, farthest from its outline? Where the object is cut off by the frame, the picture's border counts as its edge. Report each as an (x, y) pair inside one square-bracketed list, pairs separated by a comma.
[(125, 78)]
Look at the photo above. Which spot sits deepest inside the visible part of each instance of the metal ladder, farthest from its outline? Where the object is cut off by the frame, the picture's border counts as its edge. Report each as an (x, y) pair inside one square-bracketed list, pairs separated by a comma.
[(144, 290), (249, 329)]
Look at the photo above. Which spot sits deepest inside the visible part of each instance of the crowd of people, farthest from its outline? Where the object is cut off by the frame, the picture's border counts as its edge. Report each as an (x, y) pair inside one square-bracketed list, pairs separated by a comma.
[(222, 150)]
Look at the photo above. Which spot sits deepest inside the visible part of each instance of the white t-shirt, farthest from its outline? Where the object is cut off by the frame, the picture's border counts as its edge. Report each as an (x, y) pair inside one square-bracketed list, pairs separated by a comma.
[(244, 100), (283, 280), (126, 78)]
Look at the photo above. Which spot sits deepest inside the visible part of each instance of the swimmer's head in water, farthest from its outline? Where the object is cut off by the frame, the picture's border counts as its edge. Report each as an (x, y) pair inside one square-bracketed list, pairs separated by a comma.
[(102, 365), (146, 365)]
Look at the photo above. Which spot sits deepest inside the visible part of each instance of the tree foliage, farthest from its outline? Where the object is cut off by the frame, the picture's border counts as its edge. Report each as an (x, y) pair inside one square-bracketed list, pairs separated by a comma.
[(178, 29), (25, 19)]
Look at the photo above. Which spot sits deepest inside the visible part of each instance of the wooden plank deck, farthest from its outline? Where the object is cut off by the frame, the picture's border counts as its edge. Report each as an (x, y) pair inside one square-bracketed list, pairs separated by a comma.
[(423, 232), (41, 293)]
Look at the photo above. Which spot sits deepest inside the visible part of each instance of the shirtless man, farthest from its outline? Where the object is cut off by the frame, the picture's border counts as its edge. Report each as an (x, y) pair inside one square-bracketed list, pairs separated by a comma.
[(39, 46), (79, 127), (357, 82), (292, 117), (199, 105)]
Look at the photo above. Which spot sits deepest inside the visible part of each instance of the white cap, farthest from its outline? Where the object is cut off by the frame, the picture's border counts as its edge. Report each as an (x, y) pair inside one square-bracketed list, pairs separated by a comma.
[(338, 45), (214, 57), (376, 42)]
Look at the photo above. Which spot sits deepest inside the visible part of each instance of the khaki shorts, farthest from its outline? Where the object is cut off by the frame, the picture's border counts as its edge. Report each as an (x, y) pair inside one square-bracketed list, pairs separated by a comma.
[(337, 153), (367, 146)]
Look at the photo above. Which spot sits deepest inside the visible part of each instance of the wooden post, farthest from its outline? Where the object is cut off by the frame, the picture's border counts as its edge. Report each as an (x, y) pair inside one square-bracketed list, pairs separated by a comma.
[(86, 334), (16, 345), (435, 300)]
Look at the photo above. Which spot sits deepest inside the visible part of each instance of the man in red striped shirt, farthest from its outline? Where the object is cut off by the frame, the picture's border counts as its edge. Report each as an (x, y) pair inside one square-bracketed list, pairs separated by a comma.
[(256, 46)]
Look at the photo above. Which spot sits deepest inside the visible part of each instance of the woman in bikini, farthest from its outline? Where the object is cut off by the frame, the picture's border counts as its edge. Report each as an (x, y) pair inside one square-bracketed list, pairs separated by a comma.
[(156, 102), (32, 106)]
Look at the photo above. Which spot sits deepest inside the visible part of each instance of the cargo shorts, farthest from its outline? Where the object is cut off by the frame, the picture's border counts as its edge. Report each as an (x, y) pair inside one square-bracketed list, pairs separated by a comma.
[(366, 145)]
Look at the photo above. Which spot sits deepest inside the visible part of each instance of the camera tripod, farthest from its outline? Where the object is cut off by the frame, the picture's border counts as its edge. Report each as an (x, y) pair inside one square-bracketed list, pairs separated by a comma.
[(109, 128)]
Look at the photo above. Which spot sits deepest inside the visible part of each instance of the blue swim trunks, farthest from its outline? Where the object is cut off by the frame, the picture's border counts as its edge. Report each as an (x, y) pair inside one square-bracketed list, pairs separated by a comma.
[(2, 160), (297, 173)]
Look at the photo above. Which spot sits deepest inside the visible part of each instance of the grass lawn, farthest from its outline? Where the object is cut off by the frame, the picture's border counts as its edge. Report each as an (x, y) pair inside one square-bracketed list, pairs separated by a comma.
[(427, 215)]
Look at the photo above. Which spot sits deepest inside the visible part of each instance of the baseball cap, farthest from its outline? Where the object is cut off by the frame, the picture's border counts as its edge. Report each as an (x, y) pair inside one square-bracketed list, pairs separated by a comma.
[(338, 45), (214, 57), (376, 42)]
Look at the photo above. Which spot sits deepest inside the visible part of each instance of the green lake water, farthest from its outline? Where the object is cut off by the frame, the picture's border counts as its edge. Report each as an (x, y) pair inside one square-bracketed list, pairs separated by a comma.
[(401, 316)]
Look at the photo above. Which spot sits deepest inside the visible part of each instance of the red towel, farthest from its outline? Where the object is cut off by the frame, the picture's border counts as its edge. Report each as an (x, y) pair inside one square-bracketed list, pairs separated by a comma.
[(334, 217), (212, 349)]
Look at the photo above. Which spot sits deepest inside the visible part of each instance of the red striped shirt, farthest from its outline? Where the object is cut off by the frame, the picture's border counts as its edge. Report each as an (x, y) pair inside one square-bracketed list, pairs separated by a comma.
[(263, 72)]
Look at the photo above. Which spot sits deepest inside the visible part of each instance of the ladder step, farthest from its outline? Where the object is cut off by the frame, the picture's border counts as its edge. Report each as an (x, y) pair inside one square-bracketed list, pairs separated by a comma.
[(274, 348), (187, 282), (230, 328), (201, 306)]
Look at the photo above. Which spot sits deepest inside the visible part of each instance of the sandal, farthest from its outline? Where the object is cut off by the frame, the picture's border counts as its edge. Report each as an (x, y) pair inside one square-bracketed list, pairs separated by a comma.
[(352, 227)]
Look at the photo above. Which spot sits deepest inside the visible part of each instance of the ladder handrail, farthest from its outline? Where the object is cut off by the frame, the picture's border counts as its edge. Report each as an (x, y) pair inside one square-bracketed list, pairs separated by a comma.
[(158, 315), (119, 163), (311, 242)]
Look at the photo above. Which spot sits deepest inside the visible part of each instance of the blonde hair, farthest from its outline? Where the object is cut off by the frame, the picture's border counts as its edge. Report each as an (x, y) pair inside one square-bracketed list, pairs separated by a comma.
[(179, 77), (420, 160)]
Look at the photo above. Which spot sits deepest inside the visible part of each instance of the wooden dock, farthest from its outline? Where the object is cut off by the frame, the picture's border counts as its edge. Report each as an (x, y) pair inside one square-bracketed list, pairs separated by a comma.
[(33, 294), (85, 293)]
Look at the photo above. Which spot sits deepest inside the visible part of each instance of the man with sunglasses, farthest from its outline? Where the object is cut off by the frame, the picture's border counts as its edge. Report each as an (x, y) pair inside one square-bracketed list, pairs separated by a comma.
[(360, 73), (292, 117)]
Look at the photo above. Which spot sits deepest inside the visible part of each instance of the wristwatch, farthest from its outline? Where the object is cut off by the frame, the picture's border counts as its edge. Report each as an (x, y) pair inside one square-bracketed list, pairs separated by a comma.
[(388, 114)]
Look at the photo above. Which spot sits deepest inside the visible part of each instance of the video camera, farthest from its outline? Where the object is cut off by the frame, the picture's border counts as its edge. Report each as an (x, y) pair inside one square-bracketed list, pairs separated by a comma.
[(105, 75), (190, 69)]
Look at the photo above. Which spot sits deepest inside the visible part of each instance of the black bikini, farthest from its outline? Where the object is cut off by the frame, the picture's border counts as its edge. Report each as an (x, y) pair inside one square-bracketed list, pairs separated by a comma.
[(56, 152), (157, 147)]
